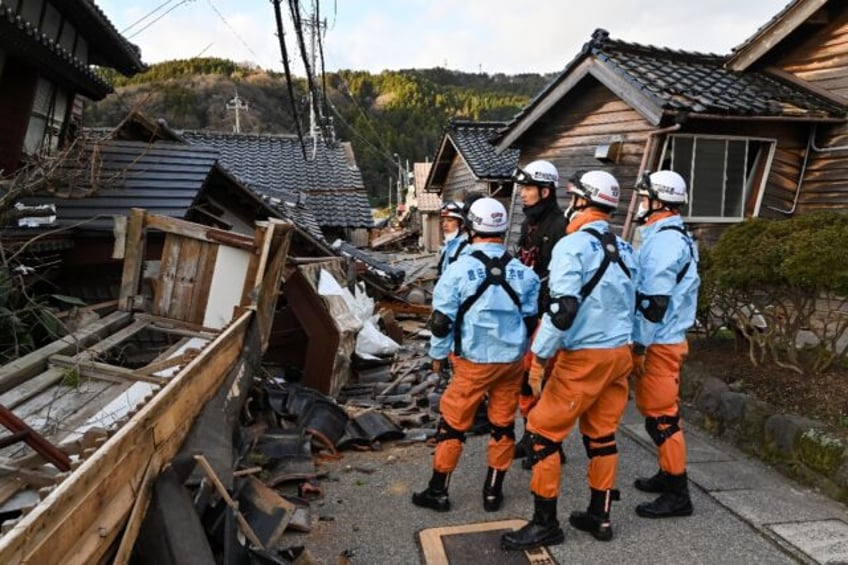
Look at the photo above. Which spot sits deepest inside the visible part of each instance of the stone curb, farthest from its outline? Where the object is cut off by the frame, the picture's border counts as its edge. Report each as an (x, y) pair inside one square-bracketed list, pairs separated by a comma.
[(806, 450)]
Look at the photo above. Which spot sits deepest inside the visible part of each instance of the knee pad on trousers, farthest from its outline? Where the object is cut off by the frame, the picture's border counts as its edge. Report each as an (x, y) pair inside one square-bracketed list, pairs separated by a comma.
[(652, 425), (549, 447), (444, 432), (498, 432), (603, 450)]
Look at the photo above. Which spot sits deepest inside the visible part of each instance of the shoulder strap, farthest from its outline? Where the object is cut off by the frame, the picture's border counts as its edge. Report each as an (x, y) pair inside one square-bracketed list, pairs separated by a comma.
[(609, 244), (495, 275), (688, 240), (458, 250)]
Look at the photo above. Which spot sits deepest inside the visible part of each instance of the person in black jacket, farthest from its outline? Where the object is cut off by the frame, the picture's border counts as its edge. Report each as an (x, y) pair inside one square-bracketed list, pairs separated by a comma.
[(543, 226)]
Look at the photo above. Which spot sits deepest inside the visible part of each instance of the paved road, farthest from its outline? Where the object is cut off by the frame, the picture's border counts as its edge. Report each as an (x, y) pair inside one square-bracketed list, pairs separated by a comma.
[(744, 512)]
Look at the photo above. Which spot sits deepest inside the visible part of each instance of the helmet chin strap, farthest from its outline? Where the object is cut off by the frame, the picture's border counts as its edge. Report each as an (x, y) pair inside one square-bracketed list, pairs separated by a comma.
[(575, 209), (641, 218)]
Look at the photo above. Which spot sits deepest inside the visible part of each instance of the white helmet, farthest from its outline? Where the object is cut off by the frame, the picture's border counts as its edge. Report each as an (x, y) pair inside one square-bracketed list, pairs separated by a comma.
[(598, 187), (665, 186), (487, 215), (452, 209), (539, 173)]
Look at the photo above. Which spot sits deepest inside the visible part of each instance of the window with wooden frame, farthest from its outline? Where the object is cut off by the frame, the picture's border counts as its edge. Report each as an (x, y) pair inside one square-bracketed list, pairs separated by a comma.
[(49, 112), (726, 175)]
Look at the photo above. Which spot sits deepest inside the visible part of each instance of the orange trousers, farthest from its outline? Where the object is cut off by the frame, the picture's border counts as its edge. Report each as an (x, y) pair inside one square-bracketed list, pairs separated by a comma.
[(526, 400), (469, 384), (657, 394), (589, 384)]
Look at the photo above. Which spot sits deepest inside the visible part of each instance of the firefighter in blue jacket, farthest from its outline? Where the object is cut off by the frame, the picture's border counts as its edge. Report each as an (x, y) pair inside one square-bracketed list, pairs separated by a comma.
[(483, 305), (667, 297), (585, 334), (455, 238)]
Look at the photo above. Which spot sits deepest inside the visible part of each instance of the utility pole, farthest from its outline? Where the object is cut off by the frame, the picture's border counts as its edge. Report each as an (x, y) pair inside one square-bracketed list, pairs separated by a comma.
[(238, 105), (315, 27)]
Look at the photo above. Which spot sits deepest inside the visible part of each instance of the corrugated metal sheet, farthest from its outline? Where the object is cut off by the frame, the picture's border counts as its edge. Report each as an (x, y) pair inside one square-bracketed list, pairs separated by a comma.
[(164, 178)]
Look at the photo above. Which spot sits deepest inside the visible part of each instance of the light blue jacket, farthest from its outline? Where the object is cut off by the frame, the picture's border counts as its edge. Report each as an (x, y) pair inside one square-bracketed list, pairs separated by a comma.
[(605, 318), (662, 256), (452, 250), (493, 329)]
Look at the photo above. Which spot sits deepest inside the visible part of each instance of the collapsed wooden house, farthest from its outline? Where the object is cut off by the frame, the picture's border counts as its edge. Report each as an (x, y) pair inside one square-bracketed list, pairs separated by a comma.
[(98, 429)]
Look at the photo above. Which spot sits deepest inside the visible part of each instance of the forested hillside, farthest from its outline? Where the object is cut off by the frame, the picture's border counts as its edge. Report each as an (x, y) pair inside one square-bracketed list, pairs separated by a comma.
[(394, 112)]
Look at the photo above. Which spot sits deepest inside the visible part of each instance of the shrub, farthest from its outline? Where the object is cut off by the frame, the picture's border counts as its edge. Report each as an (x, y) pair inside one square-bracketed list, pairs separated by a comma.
[(792, 273)]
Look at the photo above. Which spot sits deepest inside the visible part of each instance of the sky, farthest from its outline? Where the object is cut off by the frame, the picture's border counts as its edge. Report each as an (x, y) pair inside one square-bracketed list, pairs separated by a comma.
[(489, 36)]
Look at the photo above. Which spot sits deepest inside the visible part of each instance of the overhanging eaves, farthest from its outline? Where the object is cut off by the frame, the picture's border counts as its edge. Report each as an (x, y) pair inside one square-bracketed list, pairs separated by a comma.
[(643, 103)]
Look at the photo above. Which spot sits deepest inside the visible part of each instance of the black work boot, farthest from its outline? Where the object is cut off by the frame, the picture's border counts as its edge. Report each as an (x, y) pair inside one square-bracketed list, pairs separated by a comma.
[(493, 490), (674, 501), (657, 483), (596, 518), (543, 529), (435, 496)]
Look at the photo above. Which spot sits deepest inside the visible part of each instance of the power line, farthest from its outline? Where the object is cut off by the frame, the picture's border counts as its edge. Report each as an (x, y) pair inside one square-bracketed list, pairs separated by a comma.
[(145, 16), (368, 121), (232, 29), (389, 158), (168, 11)]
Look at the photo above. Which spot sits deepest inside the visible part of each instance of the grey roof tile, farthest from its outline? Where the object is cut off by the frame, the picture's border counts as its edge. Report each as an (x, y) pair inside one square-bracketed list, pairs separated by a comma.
[(700, 83), (693, 82), (274, 166), (473, 141), (21, 36)]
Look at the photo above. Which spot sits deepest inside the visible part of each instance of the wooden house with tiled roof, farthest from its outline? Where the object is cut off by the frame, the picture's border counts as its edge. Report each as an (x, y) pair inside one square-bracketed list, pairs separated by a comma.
[(807, 44), (328, 178), (47, 49), (429, 205), (740, 137), (466, 162)]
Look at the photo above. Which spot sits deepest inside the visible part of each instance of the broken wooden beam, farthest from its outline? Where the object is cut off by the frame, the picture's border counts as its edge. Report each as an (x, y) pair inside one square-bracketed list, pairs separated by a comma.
[(222, 492), (16, 372), (105, 371), (34, 439)]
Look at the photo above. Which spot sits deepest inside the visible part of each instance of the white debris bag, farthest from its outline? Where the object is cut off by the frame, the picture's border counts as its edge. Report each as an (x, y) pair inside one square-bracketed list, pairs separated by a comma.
[(371, 341)]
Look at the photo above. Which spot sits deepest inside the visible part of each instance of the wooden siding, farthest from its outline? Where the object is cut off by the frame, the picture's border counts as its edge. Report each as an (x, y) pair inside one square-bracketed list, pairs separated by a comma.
[(460, 181), (822, 58), (826, 179), (590, 114), (569, 134)]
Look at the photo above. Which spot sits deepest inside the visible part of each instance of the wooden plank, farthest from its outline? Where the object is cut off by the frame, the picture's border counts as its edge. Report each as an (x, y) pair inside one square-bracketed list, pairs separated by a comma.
[(185, 280), (405, 307), (167, 275), (14, 373), (136, 518), (36, 479), (97, 520), (163, 324), (105, 371), (133, 259), (222, 492), (32, 387), (205, 271), (75, 505), (269, 287), (201, 232), (169, 362), (116, 338)]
